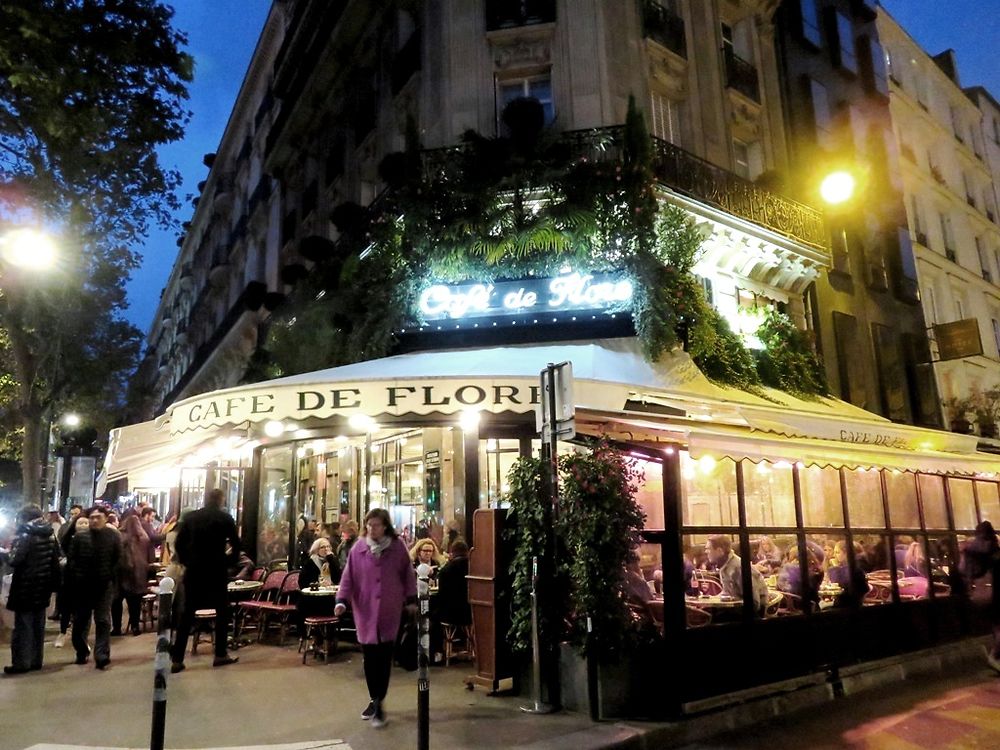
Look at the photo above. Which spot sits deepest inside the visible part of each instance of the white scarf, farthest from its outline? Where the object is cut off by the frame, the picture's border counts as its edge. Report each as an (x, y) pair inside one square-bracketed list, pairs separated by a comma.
[(377, 548)]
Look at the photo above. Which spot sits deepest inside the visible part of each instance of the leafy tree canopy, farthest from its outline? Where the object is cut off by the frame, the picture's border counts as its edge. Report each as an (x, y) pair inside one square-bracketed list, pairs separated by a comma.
[(88, 90)]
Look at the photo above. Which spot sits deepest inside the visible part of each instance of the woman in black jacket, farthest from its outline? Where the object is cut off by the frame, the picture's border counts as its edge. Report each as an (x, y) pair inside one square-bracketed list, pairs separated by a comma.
[(322, 568)]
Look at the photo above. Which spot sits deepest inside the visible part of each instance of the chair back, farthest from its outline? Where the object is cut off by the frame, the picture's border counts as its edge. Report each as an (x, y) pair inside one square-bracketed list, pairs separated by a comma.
[(258, 573), (272, 585), (697, 618), (289, 587)]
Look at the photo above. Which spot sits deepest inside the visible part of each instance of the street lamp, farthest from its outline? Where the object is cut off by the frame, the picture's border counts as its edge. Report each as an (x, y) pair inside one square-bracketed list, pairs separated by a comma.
[(837, 187), (71, 420), (28, 248)]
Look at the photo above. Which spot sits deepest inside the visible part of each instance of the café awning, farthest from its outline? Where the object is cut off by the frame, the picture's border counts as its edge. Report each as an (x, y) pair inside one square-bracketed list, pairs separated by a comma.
[(614, 385)]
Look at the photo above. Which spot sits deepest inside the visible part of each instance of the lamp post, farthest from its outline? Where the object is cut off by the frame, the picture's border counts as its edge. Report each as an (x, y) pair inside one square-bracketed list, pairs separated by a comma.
[(837, 187)]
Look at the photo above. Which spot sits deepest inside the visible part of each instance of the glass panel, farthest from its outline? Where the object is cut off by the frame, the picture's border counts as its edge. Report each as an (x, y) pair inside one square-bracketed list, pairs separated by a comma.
[(709, 491), (932, 495), (770, 497), (719, 584), (275, 500), (963, 503), (864, 499), (941, 569), (842, 586), (411, 447), (902, 490), (650, 494), (872, 555), (912, 562), (787, 579), (496, 458), (821, 504), (989, 502)]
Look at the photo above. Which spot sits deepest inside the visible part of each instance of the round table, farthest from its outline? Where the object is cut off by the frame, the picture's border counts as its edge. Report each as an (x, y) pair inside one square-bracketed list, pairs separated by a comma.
[(321, 591), (244, 587)]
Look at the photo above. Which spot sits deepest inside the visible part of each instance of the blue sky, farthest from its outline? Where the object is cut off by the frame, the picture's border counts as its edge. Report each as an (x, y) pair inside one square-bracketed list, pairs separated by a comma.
[(222, 35), (221, 38)]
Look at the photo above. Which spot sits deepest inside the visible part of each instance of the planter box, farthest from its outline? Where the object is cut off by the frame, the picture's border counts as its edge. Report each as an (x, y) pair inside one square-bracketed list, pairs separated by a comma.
[(624, 687)]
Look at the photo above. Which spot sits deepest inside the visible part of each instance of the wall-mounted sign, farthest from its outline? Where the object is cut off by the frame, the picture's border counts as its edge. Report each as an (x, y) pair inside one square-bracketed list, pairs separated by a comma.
[(958, 339), (604, 292)]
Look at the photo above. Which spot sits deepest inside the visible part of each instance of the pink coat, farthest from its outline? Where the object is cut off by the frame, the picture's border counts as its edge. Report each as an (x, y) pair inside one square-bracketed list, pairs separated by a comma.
[(377, 589)]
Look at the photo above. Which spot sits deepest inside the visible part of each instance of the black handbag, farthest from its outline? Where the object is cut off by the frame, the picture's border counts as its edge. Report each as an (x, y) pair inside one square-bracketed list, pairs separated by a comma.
[(406, 646)]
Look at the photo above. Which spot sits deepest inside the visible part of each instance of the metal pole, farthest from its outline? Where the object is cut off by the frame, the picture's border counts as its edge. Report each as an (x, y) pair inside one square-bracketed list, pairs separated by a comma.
[(536, 706), (423, 652), (162, 663)]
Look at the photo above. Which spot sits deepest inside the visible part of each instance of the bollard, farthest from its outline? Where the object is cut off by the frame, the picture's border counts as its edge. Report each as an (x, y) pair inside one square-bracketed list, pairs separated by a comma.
[(161, 664), (423, 658), (536, 706)]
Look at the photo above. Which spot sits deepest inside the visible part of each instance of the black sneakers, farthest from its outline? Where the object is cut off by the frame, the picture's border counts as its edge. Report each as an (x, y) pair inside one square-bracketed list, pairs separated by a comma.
[(102, 664), (378, 719), (368, 712), (221, 661)]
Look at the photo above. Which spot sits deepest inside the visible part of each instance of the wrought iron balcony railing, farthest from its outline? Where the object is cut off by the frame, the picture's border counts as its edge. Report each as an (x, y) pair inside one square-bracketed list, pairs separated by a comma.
[(741, 75), (506, 14), (663, 27)]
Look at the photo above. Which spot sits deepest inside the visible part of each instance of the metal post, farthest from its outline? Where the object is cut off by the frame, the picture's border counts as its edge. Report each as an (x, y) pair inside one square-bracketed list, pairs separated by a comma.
[(162, 663), (536, 707), (423, 653)]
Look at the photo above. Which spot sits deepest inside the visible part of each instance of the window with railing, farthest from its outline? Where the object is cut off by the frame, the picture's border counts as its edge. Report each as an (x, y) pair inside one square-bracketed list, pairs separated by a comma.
[(737, 51), (662, 22), (665, 120), (506, 14), (534, 87)]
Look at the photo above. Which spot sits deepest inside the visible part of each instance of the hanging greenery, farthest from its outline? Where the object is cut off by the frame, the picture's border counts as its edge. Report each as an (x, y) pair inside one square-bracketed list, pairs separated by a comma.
[(788, 361), (596, 527), (526, 204)]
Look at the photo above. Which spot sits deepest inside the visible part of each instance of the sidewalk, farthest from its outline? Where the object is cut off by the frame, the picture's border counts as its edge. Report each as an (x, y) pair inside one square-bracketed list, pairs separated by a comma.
[(270, 699)]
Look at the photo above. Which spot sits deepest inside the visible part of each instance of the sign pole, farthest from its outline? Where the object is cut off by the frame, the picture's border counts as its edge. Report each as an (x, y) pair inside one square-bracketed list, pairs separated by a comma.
[(423, 651)]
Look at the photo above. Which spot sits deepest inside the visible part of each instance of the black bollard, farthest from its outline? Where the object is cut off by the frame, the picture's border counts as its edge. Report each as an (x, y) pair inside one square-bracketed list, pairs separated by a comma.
[(161, 664), (423, 659)]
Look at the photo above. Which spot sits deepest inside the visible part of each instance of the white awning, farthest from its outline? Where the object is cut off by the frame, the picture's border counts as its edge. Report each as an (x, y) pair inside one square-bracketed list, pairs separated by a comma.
[(668, 400)]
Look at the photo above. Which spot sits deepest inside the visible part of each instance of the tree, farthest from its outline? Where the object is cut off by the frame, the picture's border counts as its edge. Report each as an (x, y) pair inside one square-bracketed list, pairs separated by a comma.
[(88, 90)]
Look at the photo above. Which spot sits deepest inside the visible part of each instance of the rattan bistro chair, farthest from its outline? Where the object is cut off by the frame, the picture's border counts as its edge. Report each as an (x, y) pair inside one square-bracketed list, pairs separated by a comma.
[(250, 609), (282, 608)]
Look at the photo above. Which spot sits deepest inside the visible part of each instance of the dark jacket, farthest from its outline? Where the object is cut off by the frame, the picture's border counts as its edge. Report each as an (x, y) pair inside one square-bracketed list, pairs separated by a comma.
[(203, 540), (453, 592), (34, 556), (981, 556), (310, 573), (94, 559)]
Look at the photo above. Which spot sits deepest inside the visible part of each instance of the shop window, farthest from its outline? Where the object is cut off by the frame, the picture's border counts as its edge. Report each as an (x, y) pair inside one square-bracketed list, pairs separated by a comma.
[(901, 488), (650, 494), (989, 502), (715, 585), (797, 596), (872, 555), (275, 499), (496, 458), (963, 503), (769, 495), (940, 564), (864, 499), (932, 497), (821, 503), (709, 491)]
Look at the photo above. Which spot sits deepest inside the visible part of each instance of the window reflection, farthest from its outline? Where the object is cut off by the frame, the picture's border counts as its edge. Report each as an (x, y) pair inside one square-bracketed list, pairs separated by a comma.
[(275, 497), (989, 501), (709, 488), (871, 552), (911, 560), (901, 488), (821, 503), (770, 497), (963, 503), (864, 498), (932, 497)]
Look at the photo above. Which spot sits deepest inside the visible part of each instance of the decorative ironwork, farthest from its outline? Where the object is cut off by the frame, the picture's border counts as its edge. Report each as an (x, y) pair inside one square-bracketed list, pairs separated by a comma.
[(507, 14), (663, 27), (741, 75)]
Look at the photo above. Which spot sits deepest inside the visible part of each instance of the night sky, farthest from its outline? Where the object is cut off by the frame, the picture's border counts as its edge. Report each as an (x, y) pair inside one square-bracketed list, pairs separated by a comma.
[(222, 35)]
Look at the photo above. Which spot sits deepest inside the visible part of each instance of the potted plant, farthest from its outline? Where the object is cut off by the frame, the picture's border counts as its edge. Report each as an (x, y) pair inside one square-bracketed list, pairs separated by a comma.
[(958, 408), (987, 409)]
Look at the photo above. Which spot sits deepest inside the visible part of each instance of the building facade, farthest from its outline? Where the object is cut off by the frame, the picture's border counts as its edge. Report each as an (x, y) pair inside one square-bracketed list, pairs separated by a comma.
[(951, 209)]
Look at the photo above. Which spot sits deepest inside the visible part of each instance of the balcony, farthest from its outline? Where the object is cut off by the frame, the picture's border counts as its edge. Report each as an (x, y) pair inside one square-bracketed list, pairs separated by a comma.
[(878, 280), (950, 254), (987, 276), (508, 14), (406, 63), (663, 27), (741, 76)]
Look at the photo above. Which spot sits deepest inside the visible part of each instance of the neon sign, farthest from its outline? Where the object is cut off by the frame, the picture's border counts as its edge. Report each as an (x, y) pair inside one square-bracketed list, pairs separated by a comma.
[(603, 292)]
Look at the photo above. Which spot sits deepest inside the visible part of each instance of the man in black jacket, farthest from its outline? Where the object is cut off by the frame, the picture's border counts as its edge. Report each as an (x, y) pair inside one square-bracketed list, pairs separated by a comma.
[(92, 567), (207, 544), (34, 556)]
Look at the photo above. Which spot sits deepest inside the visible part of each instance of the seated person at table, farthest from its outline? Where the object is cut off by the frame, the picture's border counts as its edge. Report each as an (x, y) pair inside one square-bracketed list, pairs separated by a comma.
[(321, 566), (720, 553), (768, 556), (853, 583), (914, 561), (452, 601), (790, 574), (426, 551), (241, 569), (636, 589)]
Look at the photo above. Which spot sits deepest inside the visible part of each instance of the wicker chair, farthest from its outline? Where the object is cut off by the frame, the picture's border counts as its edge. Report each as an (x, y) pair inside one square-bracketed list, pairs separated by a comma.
[(251, 608), (282, 608)]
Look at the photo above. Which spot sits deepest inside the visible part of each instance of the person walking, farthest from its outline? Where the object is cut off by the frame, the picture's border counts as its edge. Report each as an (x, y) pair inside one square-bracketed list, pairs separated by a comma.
[(34, 558), (136, 547), (92, 565), (207, 544), (378, 584), (79, 524), (980, 567)]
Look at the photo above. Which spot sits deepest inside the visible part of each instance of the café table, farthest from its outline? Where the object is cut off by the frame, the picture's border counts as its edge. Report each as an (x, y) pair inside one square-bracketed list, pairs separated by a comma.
[(238, 591)]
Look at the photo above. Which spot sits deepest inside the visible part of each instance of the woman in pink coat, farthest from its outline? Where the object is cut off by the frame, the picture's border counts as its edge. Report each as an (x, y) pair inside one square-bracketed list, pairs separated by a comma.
[(379, 584)]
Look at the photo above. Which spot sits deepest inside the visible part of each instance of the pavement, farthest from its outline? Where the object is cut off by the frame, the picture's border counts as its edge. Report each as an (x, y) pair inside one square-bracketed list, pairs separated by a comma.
[(946, 698)]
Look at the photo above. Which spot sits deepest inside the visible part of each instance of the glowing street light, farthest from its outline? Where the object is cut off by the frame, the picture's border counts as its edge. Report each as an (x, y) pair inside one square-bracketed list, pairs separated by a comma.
[(71, 420), (837, 187), (28, 249)]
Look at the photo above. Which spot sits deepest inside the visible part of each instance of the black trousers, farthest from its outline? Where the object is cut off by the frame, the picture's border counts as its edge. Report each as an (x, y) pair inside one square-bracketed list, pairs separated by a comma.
[(378, 667), (201, 596)]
